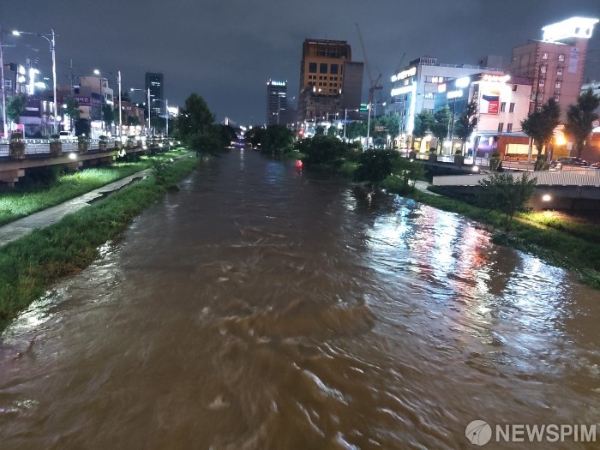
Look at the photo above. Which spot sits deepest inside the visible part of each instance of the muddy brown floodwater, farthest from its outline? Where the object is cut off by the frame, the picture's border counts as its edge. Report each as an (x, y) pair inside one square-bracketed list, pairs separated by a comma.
[(262, 307)]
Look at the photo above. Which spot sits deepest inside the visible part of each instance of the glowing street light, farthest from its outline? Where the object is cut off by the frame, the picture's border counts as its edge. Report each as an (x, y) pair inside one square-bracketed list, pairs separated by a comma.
[(51, 40)]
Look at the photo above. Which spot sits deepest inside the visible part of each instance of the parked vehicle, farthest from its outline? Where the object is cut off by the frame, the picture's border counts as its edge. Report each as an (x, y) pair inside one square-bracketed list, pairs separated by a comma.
[(65, 136), (568, 161), (595, 165)]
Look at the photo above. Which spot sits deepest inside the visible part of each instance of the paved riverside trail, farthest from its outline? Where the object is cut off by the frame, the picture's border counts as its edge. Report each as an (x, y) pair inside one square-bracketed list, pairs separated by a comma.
[(22, 227)]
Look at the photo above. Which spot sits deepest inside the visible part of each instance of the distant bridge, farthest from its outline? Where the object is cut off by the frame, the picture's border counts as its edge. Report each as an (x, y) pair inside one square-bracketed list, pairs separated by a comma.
[(37, 153)]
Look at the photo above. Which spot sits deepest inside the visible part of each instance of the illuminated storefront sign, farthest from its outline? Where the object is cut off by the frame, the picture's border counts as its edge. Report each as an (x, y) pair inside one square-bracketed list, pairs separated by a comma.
[(402, 90), (405, 74), (492, 78), (454, 94), (276, 83)]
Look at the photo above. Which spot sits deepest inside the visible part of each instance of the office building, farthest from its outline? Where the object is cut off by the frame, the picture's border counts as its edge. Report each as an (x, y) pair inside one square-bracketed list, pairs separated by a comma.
[(330, 82), (417, 86), (276, 102), (155, 82)]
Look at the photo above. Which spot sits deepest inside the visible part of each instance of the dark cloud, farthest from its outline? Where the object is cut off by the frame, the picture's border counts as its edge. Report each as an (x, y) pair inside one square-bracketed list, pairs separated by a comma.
[(227, 50)]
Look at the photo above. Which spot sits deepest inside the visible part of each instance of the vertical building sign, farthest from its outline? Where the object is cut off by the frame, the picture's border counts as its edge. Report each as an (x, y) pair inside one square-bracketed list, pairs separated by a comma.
[(490, 99), (573, 60)]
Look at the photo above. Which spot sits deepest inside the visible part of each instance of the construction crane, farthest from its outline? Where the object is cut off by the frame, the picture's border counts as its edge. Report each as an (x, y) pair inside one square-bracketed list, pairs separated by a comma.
[(373, 84), (400, 63)]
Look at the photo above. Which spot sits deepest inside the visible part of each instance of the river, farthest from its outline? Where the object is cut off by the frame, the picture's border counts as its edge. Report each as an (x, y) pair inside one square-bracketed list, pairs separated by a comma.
[(265, 307)]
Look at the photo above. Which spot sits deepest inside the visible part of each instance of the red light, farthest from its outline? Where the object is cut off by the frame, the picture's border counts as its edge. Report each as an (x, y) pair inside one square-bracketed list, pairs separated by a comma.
[(299, 163)]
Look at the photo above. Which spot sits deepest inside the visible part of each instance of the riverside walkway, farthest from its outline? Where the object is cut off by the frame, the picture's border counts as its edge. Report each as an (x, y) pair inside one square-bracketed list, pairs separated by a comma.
[(22, 227)]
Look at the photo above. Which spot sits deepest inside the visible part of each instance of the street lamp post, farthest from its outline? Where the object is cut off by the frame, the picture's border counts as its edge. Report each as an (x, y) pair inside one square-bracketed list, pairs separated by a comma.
[(120, 108), (148, 93), (3, 87), (52, 41)]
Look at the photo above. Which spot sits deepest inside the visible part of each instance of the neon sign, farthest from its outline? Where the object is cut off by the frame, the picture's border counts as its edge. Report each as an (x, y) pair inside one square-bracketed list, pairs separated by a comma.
[(405, 74)]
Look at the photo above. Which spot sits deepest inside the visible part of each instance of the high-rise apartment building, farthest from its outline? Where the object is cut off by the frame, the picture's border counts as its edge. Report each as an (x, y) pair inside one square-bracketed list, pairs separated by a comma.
[(555, 65), (276, 102), (155, 82), (330, 82)]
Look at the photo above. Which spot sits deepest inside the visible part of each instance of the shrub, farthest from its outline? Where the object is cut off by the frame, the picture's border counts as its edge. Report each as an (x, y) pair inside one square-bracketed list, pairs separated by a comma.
[(506, 194)]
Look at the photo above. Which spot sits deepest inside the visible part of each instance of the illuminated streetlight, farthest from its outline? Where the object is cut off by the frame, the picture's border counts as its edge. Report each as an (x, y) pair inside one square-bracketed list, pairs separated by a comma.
[(51, 40)]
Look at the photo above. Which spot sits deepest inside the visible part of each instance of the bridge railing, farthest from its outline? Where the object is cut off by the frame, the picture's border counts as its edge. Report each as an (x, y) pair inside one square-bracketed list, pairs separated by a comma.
[(582, 177), (41, 147), (469, 160)]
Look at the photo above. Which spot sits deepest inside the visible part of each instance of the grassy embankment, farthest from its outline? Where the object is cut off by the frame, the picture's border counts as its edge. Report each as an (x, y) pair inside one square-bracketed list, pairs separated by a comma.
[(28, 196), (30, 264), (559, 239)]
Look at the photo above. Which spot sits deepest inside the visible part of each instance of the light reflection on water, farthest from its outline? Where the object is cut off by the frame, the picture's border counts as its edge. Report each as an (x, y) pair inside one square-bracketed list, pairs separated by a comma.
[(265, 308)]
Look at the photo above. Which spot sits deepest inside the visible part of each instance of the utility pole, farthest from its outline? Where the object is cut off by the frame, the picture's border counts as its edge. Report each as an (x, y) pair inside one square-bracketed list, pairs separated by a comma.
[(120, 108)]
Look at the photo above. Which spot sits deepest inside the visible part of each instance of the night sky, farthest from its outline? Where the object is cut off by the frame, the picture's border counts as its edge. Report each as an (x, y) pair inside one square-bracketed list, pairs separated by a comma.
[(226, 50)]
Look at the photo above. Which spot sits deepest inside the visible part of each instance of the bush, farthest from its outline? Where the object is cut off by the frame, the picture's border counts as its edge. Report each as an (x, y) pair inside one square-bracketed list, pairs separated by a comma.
[(375, 166), (507, 194), (323, 150)]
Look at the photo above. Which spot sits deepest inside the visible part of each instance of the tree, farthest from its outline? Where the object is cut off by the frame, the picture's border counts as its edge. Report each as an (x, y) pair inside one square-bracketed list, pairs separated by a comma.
[(375, 166), (323, 150), (540, 125), (423, 123), (82, 127), (441, 123), (71, 108), (580, 117), (277, 140), (466, 123), (404, 174), (15, 106), (507, 194), (108, 116), (194, 118), (356, 129), (254, 135), (206, 140)]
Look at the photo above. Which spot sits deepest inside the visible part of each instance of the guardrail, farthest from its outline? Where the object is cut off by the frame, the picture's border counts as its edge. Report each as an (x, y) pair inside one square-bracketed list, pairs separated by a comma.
[(469, 160), (41, 147), (583, 177)]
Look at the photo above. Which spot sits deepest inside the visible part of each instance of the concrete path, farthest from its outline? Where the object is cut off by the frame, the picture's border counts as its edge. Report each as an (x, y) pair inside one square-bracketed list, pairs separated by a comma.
[(19, 228), (422, 186)]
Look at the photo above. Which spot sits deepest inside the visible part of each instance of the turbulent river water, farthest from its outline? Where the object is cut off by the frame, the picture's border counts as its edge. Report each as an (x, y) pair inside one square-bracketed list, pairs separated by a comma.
[(262, 307)]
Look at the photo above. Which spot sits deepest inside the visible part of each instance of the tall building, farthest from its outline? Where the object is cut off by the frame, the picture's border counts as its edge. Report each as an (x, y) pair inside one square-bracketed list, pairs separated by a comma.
[(276, 102), (555, 65), (330, 82), (155, 82)]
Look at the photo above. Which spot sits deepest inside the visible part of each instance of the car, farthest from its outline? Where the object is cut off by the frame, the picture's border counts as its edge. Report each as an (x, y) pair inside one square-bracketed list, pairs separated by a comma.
[(595, 165), (65, 136), (569, 161)]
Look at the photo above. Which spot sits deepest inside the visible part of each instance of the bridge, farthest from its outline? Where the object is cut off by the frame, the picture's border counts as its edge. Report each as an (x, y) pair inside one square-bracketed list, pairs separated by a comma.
[(71, 154), (577, 189)]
